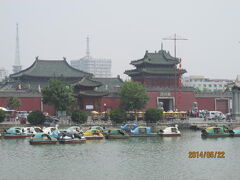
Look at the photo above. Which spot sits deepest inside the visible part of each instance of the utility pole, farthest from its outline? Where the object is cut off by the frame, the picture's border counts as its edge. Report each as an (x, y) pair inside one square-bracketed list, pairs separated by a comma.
[(175, 39)]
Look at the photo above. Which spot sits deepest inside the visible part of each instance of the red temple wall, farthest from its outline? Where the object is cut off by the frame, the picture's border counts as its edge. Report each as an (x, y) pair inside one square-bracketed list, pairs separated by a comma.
[(111, 103)]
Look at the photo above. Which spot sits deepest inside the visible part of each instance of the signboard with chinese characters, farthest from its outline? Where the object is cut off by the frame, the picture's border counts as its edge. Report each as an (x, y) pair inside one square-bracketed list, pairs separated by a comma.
[(89, 107), (165, 94)]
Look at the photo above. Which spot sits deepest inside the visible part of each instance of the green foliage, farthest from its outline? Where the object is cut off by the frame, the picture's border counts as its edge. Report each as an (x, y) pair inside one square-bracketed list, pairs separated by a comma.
[(152, 115), (59, 95), (79, 116), (2, 115), (117, 115), (36, 118), (133, 96), (13, 103)]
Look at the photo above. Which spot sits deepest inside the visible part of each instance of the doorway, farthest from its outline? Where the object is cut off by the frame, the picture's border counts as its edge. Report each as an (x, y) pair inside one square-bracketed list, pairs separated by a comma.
[(166, 102)]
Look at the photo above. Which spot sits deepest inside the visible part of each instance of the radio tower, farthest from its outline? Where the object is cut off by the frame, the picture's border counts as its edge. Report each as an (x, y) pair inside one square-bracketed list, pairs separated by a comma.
[(17, 66), (88, 49)]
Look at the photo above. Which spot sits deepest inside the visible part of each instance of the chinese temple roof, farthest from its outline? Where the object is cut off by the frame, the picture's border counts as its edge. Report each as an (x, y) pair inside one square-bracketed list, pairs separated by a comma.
[(85, 81), (160, 57), (92, 93), (50, 68), (109, 84)]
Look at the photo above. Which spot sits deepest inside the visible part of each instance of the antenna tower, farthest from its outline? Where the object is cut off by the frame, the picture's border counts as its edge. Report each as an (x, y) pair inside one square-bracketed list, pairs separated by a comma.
[(88, 49), (17, 66)]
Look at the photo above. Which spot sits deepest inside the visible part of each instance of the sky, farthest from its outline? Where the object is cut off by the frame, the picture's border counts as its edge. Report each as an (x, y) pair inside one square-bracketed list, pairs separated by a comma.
[(123, 30)]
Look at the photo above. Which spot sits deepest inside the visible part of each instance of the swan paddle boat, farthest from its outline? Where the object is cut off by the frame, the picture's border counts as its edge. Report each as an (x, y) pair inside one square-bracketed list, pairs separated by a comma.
[(143, 131), (93, 134), (32, 130), (170, 131), (71, 139), (74, 130), (116, 134), (42, 138), (15, 132)]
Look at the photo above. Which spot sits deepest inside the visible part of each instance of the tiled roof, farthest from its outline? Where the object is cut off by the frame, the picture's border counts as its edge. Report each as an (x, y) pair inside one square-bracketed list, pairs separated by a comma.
[(88, 82), (109, 84), (50, 68), (160, 57), (92, 93)]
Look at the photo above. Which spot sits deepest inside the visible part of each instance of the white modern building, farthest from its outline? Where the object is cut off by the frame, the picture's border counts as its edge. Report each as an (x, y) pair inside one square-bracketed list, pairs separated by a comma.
[(203, 83), (3, 73), (98, 67)]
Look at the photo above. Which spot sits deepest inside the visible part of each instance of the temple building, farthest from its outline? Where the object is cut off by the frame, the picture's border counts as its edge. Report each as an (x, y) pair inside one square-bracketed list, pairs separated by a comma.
[(160, 74), (27, 85)]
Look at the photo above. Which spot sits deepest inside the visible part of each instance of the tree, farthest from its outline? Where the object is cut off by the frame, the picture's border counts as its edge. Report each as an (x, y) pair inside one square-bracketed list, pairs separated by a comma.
[(13, 103), (2, 115), (152, 115), (79, 116), (133, 96), (117, 116), (36, 118), (58, 94)]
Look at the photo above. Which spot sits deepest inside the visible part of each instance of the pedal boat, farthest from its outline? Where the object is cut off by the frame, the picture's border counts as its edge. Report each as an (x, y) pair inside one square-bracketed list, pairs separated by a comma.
[(15, 132), (128, 127), (93, 134), (32, 130), (42, 138), (217, 131), (116, 134), (236, 132), (71, 139), (74, 130), (170, 131), (143, 131)]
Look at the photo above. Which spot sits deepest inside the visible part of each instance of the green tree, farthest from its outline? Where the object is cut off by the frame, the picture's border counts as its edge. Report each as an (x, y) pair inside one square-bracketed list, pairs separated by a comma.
[(133, 96), (152, 115), (58, 94), (36, 118), (117, 116), (2, 115), (79, 116), (13, 103)]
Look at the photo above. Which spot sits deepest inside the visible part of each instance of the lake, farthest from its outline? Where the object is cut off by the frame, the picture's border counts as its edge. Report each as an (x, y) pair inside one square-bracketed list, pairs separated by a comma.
[(134, 159)]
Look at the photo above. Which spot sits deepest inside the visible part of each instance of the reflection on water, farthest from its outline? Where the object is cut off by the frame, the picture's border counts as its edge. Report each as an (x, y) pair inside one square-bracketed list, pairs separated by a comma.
[(134, 159)]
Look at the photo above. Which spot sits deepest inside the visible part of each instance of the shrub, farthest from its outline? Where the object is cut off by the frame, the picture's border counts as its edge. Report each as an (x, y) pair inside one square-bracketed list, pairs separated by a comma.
[(79, 116), (152, 115), (117, 116), (36, 118), (2, 115)]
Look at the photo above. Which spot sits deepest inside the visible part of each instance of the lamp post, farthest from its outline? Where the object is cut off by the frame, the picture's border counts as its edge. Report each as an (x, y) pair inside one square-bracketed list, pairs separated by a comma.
[(105, 110)]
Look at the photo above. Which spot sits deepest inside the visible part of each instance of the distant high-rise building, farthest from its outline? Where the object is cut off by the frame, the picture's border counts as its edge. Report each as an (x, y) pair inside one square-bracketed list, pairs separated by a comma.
[(202, 83), (98, 67), (3, 73), (17, 65)]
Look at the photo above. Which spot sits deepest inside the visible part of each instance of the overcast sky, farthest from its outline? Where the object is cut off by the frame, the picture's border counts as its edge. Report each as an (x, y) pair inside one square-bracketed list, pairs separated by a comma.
[(123, 30)]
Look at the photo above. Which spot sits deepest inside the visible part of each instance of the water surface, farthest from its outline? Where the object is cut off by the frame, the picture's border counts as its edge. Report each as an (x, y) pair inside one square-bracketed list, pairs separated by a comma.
[(134, 159)]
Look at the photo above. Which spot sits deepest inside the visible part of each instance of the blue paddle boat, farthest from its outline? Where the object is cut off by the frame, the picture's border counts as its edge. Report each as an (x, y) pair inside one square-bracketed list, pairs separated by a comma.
[(143, 131), (129, 127)]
